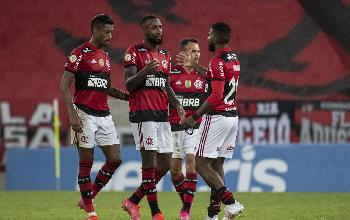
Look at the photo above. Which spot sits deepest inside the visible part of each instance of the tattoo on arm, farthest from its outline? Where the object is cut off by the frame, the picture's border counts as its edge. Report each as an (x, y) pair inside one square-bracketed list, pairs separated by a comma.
[(200, 69), (118, 94)]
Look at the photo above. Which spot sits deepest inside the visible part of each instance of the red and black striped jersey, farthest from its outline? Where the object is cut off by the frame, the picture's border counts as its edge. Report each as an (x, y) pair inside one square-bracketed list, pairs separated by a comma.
[(224, 66), (91, 68), (149, 102), (189, 88)]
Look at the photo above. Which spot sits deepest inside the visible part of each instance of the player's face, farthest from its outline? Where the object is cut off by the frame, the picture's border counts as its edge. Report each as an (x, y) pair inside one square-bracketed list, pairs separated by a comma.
[(192, 50), (211, 41), (153, 31), (103, 35)]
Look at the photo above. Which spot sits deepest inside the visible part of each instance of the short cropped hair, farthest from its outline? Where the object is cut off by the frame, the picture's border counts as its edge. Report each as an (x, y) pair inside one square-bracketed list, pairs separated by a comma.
[(101, 20), (146, 18), (185, 41), (222, 31)]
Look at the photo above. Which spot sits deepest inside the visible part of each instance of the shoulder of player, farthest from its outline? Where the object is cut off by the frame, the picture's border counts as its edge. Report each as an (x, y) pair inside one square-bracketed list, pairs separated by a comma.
[(162, 51), (176, 69), (227, 56)]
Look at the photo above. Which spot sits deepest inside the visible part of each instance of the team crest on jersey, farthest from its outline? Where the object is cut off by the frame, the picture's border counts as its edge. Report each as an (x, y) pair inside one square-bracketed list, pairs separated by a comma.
[(72, 58), (101, 62), (164, 63), (198, 84), (188, 83), (127, 57)]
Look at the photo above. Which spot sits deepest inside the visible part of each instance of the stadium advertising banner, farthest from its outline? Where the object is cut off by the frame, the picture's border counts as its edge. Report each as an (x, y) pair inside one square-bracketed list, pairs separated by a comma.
[(260, 123), (287, 168)]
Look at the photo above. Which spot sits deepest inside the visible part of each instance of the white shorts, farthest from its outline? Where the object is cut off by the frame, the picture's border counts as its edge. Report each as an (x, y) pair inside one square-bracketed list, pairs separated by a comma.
[(96, 131), (216, 136), (151, 135), (183, 143)]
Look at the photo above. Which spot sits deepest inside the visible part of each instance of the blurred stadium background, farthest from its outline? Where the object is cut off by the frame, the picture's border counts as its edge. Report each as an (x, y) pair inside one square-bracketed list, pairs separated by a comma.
[(294, 88)]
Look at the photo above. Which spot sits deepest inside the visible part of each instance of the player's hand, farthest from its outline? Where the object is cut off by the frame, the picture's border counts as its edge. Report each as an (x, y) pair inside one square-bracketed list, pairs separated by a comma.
[(181, 112), (183, 59), (152, 66), (189, 122), (76, 122)]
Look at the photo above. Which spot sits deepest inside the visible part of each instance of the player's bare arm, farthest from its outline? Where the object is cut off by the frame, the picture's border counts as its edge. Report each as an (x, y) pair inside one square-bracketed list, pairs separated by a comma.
[(135, 79), (117, 93), (74, 119), (213, 99)]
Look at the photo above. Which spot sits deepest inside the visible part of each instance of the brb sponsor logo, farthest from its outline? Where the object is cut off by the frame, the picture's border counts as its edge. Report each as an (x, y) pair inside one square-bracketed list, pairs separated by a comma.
[(153, 81), (97, 83), (190, 102)]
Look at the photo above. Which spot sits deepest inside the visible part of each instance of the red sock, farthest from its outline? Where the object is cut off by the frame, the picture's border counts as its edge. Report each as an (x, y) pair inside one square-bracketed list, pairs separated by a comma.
[(178, 183), (104, 175), (189, 190), (149, 185), (139, 193), (226, 196), (85, 185), (215, 204)]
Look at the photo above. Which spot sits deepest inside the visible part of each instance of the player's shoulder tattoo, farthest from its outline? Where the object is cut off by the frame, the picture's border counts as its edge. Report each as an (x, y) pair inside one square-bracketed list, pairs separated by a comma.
[(228, 56)]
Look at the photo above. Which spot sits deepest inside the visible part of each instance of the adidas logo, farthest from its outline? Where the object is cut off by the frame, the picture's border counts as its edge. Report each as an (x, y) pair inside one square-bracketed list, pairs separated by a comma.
[(93, 61)]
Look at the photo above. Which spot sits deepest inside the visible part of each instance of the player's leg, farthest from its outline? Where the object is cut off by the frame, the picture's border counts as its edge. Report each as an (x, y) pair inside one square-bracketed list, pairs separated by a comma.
[(145, 136), (113, 161), (190, 183), (107, 138), (233, 207), (85, 143), (177, 176), (215, 203)]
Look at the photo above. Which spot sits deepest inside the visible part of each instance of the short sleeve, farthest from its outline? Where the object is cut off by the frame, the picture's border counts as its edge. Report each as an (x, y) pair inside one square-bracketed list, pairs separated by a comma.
[(216, 70), (73, 60), (129, 57)]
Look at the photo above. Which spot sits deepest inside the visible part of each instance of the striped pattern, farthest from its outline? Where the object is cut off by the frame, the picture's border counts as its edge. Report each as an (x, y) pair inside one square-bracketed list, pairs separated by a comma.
[(204, 135)]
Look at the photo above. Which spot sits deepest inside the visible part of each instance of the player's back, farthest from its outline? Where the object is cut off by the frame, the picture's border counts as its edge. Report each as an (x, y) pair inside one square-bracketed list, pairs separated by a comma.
[(225, 66)]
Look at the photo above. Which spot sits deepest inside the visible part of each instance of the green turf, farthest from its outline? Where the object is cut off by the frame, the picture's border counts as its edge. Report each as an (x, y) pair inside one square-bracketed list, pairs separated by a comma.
[(61, 205)]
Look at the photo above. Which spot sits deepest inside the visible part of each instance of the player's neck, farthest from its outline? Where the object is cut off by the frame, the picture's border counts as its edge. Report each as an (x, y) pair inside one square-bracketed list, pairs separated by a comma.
[(188, 69), (94, 42), (220, 46), (150, 45)]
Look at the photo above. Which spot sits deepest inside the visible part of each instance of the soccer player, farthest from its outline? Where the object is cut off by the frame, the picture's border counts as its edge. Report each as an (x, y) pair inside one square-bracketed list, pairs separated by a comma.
[(89, 66), (218, 129), (147, 69), (189, 87)]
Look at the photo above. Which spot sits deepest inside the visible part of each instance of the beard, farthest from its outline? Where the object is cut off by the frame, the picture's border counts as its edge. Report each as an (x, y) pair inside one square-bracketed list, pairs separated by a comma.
[(211, 47), (155, 41)]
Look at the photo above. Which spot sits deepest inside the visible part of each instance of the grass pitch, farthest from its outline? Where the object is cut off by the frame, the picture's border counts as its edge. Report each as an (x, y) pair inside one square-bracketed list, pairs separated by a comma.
[(62, 205)]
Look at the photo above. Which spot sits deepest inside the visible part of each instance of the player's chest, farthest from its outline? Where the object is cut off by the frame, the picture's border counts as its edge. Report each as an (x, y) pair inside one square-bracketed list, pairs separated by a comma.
[(146, 57), (96, 62), (188, 83)]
